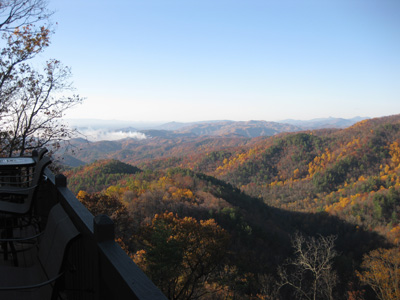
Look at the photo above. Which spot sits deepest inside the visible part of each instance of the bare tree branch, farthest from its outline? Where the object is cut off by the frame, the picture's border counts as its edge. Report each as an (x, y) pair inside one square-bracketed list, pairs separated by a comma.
[(310, 275), (19, 13), (33, 120)]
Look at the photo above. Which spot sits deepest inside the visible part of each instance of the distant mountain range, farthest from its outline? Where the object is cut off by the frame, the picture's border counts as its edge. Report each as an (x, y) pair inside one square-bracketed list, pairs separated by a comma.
[(324, 122), (299, 124), (247, 129), (109, 130), (132, 145), (264, 192)]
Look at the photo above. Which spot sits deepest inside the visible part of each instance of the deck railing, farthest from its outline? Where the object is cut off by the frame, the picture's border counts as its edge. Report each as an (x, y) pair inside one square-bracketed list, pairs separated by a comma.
[(97, 267)]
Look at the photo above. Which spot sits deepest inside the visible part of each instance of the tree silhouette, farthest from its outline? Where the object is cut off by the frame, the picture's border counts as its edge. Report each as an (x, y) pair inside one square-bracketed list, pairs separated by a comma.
[(310, 275)]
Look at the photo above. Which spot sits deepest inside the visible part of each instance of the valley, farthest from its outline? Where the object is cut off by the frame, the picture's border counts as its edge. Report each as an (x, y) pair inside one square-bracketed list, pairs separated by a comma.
[(257, 194)]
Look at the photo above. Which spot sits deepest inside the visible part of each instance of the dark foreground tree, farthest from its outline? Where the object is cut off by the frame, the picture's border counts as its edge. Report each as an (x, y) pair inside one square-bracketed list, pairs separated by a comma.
[(31, 101), (33, 117), (182, 255), (25, 32), (98, 203), (310, 275)]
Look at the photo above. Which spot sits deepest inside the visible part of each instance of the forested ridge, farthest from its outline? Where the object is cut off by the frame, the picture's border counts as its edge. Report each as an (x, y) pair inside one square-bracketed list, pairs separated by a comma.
[(241, 221)]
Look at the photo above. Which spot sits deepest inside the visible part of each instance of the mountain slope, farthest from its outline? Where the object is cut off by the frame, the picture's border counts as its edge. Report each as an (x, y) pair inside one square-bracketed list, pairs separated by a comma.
[(323, 182), (350, 173), (181, 139), (248, 129), (133, 151), (98, 176), (259, 234)]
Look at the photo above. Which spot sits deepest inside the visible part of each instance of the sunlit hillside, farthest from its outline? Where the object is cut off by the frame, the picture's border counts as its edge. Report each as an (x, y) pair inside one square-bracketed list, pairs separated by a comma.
[(260, 192)]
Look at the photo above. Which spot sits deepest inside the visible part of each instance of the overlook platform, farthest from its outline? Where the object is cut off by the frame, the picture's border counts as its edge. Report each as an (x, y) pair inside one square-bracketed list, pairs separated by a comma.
[(97, 266)]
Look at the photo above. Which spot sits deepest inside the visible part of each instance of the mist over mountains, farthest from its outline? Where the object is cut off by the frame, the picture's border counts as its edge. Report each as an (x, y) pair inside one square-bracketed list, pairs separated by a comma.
[(98, 130), (263, 191), (134, 142)]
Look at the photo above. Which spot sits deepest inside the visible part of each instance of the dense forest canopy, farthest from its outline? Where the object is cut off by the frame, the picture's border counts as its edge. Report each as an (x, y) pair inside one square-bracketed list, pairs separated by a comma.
[(266, 204)]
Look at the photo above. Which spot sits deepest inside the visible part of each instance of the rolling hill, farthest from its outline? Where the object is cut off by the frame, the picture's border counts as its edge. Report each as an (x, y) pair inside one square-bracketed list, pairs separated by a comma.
[(247, 129), (261, 191)]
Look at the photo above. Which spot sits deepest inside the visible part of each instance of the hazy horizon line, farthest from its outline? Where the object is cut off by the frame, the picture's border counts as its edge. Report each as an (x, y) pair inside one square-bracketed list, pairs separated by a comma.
[(213, 120)]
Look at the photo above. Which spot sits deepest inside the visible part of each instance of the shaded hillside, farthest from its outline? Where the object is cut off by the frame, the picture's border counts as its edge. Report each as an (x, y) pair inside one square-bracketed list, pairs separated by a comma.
[(98, 175), (351, 172), (69, 160), (261, 192), (259, 235), (187, 140), (138, 151)]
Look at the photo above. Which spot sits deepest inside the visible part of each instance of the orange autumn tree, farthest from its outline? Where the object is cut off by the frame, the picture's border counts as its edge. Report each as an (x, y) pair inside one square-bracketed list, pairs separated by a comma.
[(181, 255), (382, 273), (98, 203)]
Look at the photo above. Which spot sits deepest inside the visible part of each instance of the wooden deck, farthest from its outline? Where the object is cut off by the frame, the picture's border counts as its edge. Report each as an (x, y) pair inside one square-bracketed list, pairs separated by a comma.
[(97, 267), (25, 252)]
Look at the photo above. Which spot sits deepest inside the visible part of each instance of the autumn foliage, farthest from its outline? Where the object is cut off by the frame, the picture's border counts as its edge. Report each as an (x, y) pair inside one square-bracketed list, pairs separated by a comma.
[(343, 183), (182, 255), (382, 273)]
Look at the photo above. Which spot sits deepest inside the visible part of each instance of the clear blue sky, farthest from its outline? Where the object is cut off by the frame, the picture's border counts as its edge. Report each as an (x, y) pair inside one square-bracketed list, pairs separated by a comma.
[(192, 60)]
